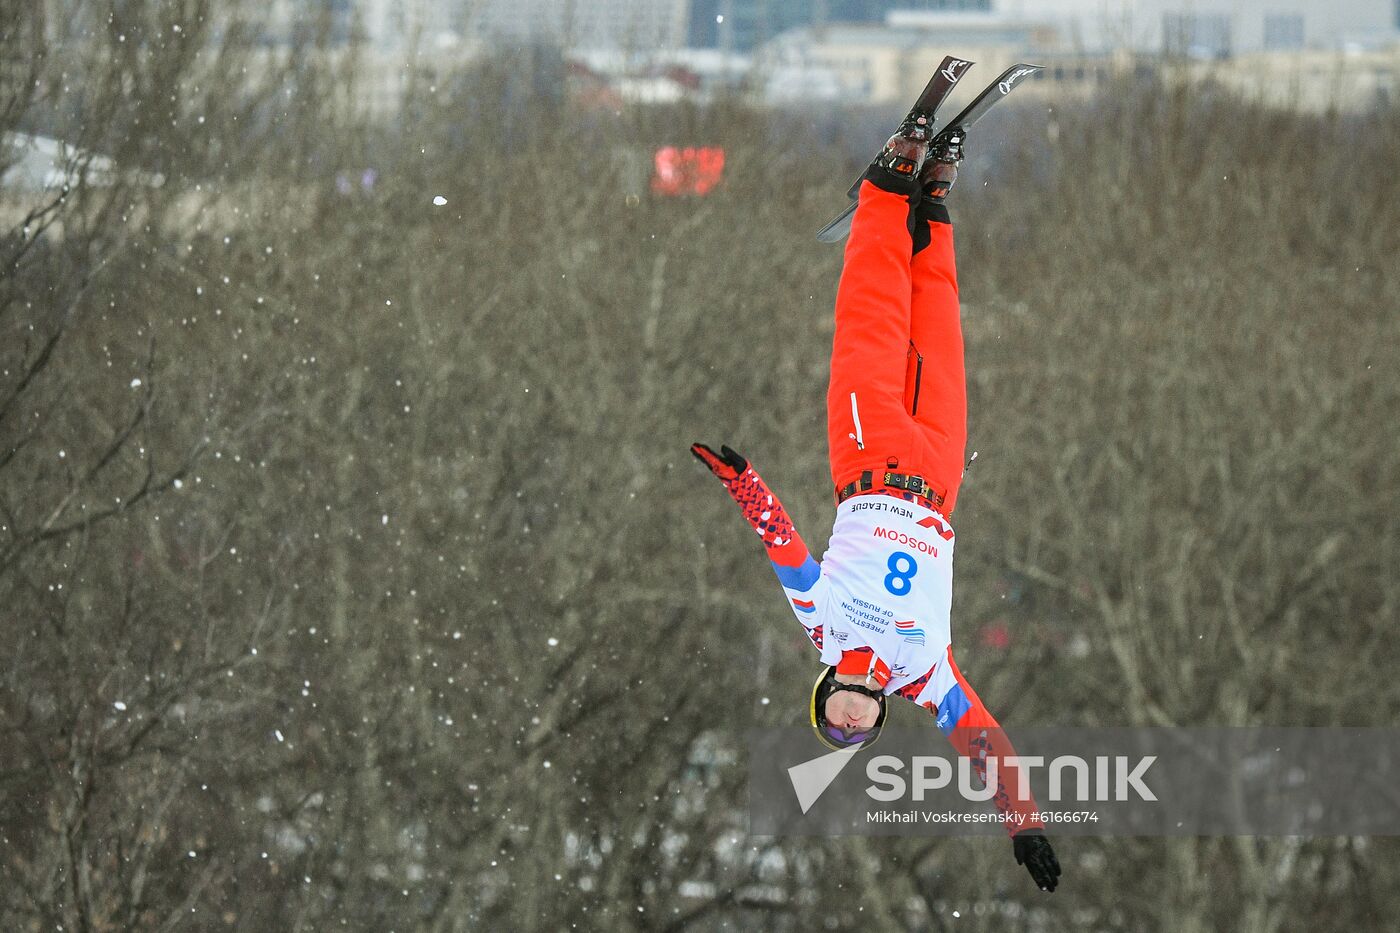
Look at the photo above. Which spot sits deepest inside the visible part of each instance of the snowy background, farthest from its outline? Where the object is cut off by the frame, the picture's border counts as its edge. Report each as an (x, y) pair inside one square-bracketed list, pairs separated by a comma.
[(354, 573)]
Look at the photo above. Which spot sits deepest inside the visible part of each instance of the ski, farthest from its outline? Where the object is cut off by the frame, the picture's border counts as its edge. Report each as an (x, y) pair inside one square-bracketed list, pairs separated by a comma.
[(994, 92), (949, 73), (940, 85)]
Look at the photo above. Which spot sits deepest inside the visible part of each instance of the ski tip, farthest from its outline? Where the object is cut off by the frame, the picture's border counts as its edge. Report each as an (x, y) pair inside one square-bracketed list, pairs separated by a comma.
[(962, 61), (953, 68), (1023, 70)]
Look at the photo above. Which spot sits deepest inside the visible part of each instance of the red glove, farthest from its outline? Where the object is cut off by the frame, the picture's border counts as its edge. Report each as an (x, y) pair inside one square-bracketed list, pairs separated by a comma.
[(726, 464)]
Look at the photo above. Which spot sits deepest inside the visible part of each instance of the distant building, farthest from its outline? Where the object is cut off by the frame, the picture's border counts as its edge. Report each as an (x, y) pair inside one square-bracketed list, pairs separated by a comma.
[(1280, 51), (1202, 29), (743, 25), (625, 25), (1314, 80), (1214, 29), (891, 61)]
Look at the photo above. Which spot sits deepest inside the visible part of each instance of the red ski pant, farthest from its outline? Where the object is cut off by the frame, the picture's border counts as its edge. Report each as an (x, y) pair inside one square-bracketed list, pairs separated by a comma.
[(898, 394)]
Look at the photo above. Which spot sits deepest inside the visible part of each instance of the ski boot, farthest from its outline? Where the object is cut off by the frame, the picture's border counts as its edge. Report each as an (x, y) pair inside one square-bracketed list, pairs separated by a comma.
[(905, 151), (940, 170)]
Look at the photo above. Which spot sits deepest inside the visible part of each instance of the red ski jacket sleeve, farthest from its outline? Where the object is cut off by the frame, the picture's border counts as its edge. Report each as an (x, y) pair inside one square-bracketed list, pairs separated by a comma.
[(976, 735), (799, 574)]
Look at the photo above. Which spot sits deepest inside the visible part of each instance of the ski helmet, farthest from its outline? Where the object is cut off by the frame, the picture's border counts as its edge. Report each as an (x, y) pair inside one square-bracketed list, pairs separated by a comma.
[(829, 735)]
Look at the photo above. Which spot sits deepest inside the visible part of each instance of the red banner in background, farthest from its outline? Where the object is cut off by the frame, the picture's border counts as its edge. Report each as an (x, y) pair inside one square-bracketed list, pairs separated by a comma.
[(688, 170)]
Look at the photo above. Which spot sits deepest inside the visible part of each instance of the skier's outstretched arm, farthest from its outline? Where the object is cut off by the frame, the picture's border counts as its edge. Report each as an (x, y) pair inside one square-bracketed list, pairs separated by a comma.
[(798, 572), (977, 736)]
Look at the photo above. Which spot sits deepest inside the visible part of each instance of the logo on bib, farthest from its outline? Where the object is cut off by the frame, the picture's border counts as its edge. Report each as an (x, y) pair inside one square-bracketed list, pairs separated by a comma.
[(937, 525), (912, 633)]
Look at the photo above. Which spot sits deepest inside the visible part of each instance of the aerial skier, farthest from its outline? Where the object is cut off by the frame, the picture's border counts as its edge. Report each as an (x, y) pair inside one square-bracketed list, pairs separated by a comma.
[(877, 606)]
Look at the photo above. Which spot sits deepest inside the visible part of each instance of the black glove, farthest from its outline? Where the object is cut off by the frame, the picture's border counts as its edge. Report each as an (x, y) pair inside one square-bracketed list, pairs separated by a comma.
[(1034, 851), (726, 464)]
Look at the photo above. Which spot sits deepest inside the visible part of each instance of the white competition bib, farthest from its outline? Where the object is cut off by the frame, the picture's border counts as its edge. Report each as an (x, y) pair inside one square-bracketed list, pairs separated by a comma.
[(889, 565)]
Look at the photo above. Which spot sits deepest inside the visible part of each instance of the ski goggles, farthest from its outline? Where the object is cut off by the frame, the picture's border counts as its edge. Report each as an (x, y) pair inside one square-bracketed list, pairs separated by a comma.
[(855, 738)]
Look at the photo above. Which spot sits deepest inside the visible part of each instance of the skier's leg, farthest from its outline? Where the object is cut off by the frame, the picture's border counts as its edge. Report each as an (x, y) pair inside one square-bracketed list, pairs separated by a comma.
[(939, 403), (868, 425)]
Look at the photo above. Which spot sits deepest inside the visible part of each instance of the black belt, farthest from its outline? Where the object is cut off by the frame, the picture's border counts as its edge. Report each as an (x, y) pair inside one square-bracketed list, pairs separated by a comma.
[(902, 481)]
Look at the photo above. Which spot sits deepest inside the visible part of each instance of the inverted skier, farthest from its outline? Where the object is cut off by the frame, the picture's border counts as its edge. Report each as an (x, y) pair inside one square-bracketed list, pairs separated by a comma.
[(877, 605)]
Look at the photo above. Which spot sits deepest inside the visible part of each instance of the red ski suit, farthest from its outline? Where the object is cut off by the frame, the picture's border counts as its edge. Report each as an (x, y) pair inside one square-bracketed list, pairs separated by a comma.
[(880, 600), (898, 395)]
